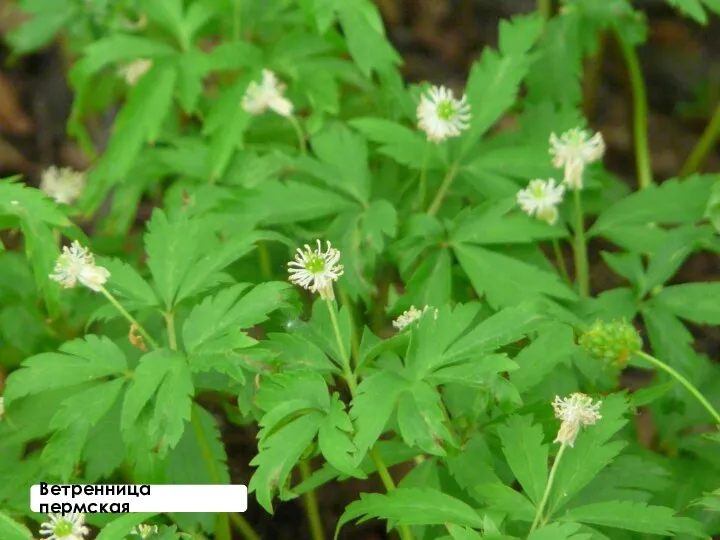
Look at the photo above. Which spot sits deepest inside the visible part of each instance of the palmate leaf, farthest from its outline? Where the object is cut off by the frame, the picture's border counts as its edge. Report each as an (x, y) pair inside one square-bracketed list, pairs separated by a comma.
[(635, 516), (77, 361), (695, 9), (411, 506), (696, 302), (164, 375), (522, 444)]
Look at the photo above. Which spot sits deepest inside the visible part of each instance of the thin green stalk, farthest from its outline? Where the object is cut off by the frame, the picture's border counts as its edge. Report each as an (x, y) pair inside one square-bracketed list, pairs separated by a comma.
[(442, 192), (545, 8), (311, 505), (129, 317), (405, 532), (354, 343), (582, 276), (640, 112), (241, 524), (593, 76), (299, 132), (561, 261), (704, 145), (548, 488), (682, 380), (172, 337), (265, 261), (347, 370), (422, 185)]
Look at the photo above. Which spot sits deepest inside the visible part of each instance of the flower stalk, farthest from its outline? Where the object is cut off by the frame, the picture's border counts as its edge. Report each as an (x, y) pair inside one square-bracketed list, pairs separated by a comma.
[(582, 275), (548, 489)]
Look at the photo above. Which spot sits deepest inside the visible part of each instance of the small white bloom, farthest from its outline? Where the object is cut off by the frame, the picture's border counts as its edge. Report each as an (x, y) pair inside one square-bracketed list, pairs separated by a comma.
[(145, 531), (316, 271), (573, 150), (410, 316), (64, 527), (64, 185), (268, 94), (441, 116), (540, 199), (133, 71), (576, 411), (76, 263)]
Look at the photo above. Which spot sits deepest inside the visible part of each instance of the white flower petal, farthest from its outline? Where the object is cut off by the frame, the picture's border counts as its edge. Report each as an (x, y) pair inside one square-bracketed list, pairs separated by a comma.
[(541, 199), (316, 270), (574, 150), (441, 116), (574, 412), (62, 184)]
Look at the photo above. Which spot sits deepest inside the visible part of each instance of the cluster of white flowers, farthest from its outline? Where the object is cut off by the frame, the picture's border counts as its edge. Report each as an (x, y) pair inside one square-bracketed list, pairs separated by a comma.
[(133, 71), (573, 151), (441, 116), (267, 95), (76, 263), (64, 185), (316, 270), (64, 527), (410, 316), (574, 412)]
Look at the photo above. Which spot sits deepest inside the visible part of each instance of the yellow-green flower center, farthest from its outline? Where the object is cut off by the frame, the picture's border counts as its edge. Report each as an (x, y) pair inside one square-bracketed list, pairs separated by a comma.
[(63, 528), (446, 110), (315, 264)]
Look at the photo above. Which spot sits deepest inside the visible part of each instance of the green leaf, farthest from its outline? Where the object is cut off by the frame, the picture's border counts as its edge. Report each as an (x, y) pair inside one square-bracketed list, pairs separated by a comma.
[(139, 120), (634, 516), (505, 499), (77, 361), (164, 375), (411, 506), (507, 281), (696, 302), (335, 439), (555, 345), (421, 418), (399, 142), (119, 528), (694, 8), (12, 530), (672, 202), (522, 444), (680, 243), (558, 531), (372, 407), (48, 18), (126, 282), (119, 48)]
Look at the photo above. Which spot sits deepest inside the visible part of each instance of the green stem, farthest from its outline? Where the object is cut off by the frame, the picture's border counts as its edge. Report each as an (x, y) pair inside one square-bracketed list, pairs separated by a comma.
[(593, 76), (244, 527), (545, 8), (299, 132), (704, 146), (640, 112), (548, 488), (405, 532), (442, 192), (354, 343), (561, 261), (682, 380), (582, 276), (170, 323), (222, 530), (265, 261), (422, 185), (129, 317), (311, 505), (347, 371)]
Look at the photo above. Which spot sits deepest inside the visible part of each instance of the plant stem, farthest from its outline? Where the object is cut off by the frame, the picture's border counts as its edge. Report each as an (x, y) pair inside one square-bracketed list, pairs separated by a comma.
[(682, 380), (545, 8), (561, 261), (405, 532), (582, 276), (640, 110), (265, 261), (222, 531), (170, 323), (354, 344), (548, 488), (129, 317), (311, 505), (704, 145), (244, 527), (299, 132), (422, 185), (442, 192), (593, 75)]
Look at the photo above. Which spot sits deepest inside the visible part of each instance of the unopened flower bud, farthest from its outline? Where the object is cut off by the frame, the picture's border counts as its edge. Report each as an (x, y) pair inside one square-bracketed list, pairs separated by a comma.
[(612, 342)]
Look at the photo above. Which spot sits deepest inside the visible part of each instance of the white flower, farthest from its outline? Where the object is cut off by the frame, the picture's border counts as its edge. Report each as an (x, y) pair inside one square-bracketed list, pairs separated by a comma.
[(573, 150), (64, 185), (441, 116), (64, 527), (540, 199), (145, 531), (576, 411), (315, 270), (410, 316), (268, 94), (133, 71), (78, 264)]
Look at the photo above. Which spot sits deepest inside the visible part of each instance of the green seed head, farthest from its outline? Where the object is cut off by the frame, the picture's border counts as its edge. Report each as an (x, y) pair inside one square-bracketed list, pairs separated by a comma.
[(315, 264), (446, 110), (612, 342), (63, 528)]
